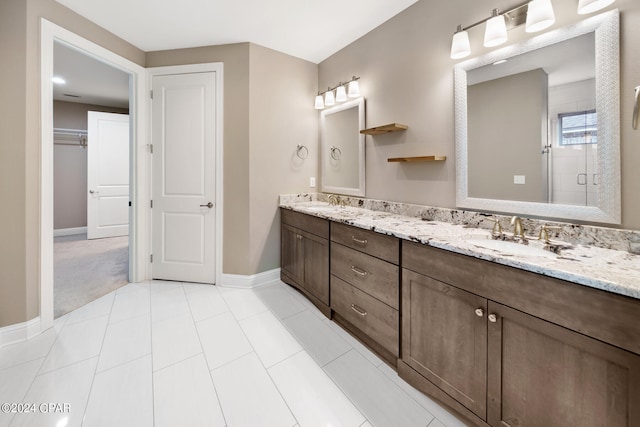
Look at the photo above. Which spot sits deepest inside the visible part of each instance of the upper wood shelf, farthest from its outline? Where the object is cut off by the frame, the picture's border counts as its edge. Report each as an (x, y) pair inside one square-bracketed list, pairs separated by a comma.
[(393, 127), (418, 159)]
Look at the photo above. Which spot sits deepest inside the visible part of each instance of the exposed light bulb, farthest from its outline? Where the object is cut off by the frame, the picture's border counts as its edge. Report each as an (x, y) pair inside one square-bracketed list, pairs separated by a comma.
[(539, 15), (354, 89), (329, 100), (495, 32), (590, 6), (58, 80), (319, 102), (341, 94), (460, 46)]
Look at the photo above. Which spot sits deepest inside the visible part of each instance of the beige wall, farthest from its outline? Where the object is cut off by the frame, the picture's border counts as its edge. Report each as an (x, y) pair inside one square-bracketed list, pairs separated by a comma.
[(13, 39), (282, 116), (20, 155), (506, 135), (70, 165), (267, 112), (406, 76)]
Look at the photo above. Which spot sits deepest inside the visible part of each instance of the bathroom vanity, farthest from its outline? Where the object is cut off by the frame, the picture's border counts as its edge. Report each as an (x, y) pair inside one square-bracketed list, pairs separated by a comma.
[(495, 337)]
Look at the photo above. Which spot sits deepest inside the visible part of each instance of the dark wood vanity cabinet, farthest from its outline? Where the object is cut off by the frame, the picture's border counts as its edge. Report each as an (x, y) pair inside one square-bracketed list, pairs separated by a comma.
[(541, 374), (365, 287), (533, 362), (444, 340), (305, 256)]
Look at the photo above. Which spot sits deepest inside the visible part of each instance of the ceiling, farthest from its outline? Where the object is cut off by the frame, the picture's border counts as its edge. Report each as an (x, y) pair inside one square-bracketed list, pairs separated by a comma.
[(307, 29), (88, 80)]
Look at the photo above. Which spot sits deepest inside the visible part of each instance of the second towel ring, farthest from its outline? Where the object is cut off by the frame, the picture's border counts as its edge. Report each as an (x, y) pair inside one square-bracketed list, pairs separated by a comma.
[(302, 152), (335, 153)]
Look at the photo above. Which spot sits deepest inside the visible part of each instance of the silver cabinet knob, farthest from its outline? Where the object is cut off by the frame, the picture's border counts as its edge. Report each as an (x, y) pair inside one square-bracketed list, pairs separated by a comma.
[(479, 312), (493, 318), (208, 205), (93, 192)]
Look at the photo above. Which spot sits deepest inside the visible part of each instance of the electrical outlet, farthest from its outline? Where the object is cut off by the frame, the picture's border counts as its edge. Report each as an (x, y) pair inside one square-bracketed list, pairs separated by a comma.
[(518, 179), (312, 182)]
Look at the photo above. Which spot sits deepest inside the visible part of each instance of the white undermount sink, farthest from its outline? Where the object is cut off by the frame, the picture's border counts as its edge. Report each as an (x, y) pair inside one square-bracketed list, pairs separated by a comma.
[(511, 248)]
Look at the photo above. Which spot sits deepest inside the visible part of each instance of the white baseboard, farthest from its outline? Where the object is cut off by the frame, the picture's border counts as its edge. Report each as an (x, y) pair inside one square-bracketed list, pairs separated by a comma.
[(69, 231), (19, 332), (247, 282)]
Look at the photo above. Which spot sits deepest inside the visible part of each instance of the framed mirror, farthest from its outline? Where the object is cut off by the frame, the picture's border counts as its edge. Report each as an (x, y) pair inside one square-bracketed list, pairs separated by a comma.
[(342, 155), (538, 125)]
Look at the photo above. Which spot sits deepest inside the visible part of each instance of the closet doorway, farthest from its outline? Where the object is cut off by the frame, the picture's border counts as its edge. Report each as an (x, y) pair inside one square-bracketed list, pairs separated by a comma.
[(91, 178)]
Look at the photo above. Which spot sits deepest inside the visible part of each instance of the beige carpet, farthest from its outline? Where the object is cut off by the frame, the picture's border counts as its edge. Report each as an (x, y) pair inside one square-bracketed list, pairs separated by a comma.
[(85, 270)]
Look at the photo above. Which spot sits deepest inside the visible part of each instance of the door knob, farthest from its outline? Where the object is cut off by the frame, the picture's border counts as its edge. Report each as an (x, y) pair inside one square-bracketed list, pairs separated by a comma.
[(208, 205)]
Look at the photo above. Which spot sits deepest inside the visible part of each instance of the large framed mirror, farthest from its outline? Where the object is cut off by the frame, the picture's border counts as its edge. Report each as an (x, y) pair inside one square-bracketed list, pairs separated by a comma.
[(538, 126), (342, 153)]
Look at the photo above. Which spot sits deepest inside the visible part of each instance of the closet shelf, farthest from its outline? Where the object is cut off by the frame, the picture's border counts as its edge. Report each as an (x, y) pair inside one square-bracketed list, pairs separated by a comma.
[(418, 159), (378, 130)]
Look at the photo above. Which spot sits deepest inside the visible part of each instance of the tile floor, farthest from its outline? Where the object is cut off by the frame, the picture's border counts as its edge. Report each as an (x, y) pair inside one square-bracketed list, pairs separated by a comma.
[(174, 354)]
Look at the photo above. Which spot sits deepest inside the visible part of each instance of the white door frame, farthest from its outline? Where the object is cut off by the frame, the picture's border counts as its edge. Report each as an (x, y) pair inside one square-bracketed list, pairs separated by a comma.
[(218, 68), (139, 164)]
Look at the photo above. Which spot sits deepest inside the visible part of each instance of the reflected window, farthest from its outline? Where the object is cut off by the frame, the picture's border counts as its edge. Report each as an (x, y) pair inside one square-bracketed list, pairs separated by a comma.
[(578, 128)]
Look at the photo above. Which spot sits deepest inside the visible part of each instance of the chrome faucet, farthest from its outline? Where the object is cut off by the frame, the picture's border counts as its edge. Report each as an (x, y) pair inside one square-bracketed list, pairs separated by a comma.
[(518, 230)]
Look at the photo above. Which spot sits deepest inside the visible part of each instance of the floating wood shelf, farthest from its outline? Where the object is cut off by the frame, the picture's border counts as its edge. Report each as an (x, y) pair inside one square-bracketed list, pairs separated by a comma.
[(418, 159), (393, 127)]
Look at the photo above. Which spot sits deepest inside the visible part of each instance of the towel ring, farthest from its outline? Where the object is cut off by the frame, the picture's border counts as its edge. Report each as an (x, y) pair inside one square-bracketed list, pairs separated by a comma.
[(302, 152), (335, 153)]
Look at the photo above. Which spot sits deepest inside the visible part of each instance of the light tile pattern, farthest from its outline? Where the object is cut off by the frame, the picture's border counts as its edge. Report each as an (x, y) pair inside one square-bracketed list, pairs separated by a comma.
[(169, 353)]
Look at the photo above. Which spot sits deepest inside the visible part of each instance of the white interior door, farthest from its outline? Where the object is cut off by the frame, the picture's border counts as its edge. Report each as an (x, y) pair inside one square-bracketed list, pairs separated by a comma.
[(107, 175), (183, 214)]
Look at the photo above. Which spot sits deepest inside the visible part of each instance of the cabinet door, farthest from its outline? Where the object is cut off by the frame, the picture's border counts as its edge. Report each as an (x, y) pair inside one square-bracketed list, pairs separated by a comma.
[(316, 267), (292, 254), (445, 339), (543, 375)]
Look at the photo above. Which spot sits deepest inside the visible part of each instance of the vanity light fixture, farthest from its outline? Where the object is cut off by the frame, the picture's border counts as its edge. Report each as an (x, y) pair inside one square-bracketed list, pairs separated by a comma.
[(343, 92), (354, 87), (590, 6), (460, 46), (537, 14), (495, 32), (329, 99), (319, 102)]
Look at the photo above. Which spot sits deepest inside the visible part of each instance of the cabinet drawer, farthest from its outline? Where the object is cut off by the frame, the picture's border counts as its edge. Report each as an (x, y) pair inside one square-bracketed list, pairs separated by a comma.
[(376, 319), (369, 274), (308, 223), (379, 245)]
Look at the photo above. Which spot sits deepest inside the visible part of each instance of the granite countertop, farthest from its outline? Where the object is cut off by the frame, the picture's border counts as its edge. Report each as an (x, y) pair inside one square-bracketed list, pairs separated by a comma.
[(606, 269)]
